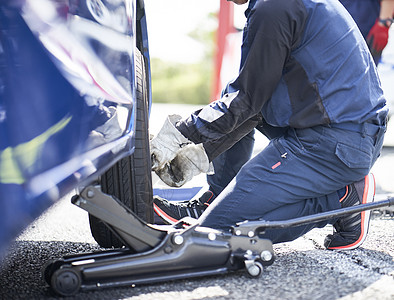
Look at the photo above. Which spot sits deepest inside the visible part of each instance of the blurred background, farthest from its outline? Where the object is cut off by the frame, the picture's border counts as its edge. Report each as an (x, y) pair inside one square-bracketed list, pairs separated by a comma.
[(184, 41)]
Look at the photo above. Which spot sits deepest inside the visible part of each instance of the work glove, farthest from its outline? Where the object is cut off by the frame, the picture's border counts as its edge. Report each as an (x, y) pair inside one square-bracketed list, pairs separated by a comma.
[(165, 145), (189, 161), (377, 38)]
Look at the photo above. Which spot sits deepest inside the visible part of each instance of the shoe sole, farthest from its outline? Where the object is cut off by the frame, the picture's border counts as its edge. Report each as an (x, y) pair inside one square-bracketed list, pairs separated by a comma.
[(163, 215), (368, 197)]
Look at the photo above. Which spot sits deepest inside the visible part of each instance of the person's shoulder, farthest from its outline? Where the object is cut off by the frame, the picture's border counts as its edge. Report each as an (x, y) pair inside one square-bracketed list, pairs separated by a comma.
[(278, 5), (275, 8)]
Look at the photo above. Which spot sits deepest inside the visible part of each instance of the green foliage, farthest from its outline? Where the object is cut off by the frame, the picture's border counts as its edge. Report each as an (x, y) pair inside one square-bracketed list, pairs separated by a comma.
[(187, 83), (181, 83)]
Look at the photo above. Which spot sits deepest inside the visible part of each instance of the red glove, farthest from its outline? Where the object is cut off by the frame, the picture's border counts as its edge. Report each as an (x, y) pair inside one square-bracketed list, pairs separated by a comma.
[(377, 38)]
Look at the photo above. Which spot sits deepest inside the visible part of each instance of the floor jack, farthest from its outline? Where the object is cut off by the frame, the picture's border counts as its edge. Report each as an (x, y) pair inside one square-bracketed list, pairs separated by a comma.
[(157, 253)]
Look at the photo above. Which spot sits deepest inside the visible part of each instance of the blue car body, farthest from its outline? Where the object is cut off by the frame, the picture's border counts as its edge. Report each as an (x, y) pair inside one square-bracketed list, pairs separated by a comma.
[(67, 98)]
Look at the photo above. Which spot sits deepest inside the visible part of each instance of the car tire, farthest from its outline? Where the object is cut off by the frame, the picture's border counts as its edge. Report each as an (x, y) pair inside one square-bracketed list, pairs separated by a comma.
[(130, 180)]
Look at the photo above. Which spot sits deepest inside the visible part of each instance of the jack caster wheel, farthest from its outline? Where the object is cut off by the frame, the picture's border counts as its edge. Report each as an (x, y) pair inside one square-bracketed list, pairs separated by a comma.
[(49, 268), (66, 281), (254, 269)]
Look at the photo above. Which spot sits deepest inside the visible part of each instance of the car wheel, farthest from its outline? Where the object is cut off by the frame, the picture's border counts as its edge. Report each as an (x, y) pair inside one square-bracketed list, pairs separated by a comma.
[(130, 180)]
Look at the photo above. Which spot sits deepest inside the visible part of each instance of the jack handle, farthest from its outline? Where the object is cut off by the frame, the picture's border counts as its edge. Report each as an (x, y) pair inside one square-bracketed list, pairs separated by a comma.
[(249, 228)]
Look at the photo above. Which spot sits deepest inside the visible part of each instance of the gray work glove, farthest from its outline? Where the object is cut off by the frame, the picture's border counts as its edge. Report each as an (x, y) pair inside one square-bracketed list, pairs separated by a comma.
[(166, 143), (189, 161)]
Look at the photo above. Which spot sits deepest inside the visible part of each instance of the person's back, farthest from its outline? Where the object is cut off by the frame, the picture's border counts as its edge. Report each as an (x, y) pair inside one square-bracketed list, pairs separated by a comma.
[(329, 76), (308, 65)]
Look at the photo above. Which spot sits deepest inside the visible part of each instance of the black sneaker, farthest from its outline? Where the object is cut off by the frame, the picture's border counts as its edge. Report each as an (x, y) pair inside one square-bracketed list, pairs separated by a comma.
[(172, 211), (350, 231)]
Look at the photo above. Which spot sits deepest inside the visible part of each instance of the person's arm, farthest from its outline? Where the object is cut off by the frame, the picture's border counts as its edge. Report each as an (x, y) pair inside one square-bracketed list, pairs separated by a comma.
[(386, 11), (378, 36), (272, 31)]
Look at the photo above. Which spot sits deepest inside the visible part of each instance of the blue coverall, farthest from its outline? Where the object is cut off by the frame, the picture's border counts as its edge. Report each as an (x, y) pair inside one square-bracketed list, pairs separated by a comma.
[(227, 165), (307, 81)]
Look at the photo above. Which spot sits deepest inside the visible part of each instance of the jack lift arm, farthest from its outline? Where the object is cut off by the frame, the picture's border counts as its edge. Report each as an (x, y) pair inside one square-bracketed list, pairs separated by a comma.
[(157, 253)]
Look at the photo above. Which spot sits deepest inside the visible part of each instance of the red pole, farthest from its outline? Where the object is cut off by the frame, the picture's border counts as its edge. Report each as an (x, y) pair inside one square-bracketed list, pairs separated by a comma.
[(226, 26)]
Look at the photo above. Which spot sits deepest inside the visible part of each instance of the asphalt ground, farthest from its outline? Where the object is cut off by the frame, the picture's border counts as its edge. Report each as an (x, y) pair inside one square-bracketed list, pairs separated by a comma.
[(303, 269)]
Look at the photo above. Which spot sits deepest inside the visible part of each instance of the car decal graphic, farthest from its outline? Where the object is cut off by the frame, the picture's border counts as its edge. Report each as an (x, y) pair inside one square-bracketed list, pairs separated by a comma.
[(24, 155)]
